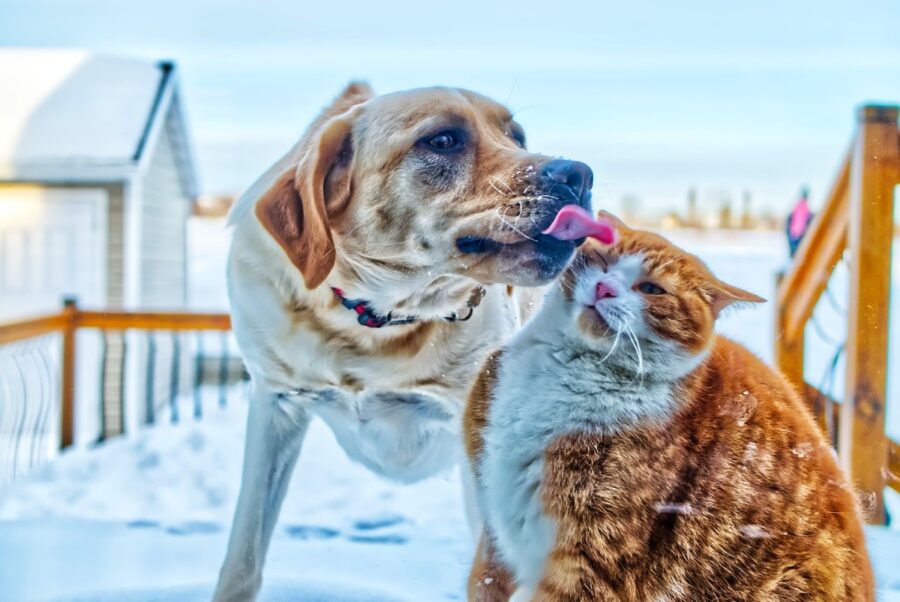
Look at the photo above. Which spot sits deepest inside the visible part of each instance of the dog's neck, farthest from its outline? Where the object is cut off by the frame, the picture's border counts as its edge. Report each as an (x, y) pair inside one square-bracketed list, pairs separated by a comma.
[(369, 318), (423, 296)]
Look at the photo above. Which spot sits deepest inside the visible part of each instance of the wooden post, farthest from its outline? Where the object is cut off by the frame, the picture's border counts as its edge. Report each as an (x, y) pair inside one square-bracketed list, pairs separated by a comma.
[(788, 350), (862, 443), (67, 361)]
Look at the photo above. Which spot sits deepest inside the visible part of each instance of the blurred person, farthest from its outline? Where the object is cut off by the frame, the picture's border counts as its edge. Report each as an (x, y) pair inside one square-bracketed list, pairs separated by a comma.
[(798, 221)]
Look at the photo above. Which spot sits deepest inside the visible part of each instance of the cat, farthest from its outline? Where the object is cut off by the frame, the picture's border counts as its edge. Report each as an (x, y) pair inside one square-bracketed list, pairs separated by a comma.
[(621, 450)]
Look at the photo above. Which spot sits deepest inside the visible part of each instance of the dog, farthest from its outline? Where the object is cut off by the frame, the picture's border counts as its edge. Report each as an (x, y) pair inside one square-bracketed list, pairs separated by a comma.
[(370, 272)]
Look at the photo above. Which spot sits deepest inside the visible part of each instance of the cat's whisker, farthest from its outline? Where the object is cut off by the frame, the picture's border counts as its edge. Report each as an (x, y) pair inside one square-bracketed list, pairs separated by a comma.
[(613, 348), (629, 332)]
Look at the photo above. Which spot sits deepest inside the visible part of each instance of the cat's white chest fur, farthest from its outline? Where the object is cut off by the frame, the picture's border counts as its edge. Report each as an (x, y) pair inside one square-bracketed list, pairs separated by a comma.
[(548, 386)]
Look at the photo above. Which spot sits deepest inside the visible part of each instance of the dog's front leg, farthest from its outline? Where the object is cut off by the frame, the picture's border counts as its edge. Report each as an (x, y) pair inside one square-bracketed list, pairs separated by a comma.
[(275, 429)]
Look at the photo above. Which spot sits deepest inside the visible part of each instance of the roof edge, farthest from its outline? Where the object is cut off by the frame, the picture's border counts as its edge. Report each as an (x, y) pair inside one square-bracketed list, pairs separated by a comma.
[(167, 67), (167, 98)]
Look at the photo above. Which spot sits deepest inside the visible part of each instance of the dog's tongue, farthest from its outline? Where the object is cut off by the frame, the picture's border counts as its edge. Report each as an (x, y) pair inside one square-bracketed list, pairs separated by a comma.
[(572, 222)]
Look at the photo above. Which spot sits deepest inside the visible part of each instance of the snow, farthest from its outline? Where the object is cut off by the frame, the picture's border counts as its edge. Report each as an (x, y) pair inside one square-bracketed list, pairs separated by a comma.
[(68, 106), (143, 562), (146, 516), (153, 511), (208, 240)]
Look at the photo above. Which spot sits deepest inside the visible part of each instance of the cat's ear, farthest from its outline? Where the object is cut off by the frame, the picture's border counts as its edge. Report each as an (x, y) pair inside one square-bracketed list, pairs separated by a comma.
[(619, 225), (724, 294)]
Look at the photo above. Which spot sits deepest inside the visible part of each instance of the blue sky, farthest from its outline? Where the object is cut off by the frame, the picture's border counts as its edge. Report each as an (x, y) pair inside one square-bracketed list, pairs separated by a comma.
[(656, 96)]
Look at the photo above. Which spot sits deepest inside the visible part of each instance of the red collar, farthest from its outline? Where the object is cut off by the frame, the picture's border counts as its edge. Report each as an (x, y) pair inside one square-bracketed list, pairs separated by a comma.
[(366, 316)]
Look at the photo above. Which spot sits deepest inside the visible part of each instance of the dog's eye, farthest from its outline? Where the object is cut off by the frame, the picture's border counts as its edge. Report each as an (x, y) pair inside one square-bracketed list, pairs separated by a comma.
[(447, 141), (648, 288), (442, 141)]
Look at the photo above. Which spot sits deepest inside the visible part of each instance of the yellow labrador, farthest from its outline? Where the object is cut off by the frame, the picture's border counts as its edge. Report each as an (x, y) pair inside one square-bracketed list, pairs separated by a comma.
[(370, 273)]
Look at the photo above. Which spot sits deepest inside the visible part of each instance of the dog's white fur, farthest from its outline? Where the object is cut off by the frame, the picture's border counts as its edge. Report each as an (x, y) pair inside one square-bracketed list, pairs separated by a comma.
[(402, 441), (383, 419)]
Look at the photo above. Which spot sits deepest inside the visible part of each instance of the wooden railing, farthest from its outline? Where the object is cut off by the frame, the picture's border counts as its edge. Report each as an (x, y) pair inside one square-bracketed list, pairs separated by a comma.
[(72, 319), (857, 218)]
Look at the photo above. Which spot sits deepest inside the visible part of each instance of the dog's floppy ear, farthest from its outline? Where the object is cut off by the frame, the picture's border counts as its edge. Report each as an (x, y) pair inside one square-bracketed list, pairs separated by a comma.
[(295, 209), (354, 93)]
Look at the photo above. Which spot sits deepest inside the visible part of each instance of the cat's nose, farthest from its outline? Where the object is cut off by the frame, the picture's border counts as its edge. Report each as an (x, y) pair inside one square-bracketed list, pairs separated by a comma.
[(605, 291)]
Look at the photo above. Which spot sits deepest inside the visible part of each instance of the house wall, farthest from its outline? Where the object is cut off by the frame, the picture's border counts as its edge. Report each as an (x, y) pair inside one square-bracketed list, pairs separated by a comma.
[(115, 255), (70, 243), (110, 346), (164, 208), (53, 243)]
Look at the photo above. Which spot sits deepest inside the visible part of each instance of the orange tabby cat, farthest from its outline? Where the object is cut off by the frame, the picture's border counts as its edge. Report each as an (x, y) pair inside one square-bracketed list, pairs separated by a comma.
[(623, 451)]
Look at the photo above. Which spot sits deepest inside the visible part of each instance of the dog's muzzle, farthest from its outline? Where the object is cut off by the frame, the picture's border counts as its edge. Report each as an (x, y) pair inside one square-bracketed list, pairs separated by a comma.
[(560, 182)]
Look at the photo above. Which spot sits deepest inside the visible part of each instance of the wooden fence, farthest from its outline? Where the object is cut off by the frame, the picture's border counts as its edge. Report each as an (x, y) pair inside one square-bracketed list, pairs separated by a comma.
[(64, 326), (857, 220)]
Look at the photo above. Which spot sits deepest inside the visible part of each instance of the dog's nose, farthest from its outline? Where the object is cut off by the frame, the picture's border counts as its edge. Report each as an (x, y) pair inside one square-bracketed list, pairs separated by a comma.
[(574, 174)]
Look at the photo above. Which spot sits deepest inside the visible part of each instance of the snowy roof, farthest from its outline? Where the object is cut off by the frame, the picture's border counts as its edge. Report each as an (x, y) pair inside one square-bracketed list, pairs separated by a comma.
[(74, 116)]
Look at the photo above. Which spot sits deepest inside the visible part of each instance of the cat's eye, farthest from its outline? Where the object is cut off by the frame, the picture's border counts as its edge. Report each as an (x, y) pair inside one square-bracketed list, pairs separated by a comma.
[(649, 288)]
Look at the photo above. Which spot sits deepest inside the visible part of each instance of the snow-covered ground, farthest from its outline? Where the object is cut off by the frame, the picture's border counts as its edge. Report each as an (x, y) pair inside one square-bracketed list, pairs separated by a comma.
[(150, 513), (145, 517)]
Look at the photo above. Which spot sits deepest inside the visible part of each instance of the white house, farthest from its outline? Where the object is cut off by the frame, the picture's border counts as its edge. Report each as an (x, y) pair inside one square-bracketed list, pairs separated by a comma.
[(96, 185), (96, 182)]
